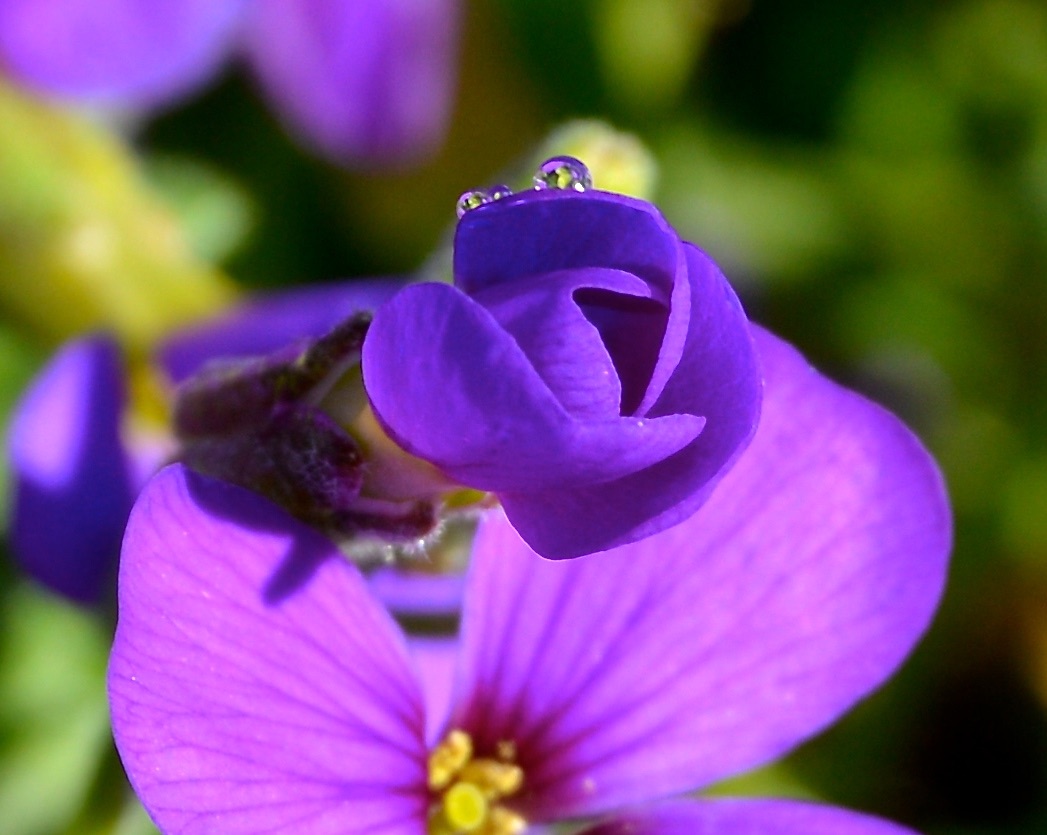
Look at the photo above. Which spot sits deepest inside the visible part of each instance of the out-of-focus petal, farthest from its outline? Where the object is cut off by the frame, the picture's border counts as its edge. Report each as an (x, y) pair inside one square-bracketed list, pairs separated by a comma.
[(121, 52), (369, 80), (418, 593), (72, 482), (745, 817), (267, 323), (718, 378), (255, 684), (719, 644), (476, 408)]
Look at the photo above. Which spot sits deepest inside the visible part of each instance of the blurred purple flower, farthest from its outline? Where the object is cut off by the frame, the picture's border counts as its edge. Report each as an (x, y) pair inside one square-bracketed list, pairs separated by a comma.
[(73, 478), (75, 470), (588, 367), (356, 80), (256, 686)]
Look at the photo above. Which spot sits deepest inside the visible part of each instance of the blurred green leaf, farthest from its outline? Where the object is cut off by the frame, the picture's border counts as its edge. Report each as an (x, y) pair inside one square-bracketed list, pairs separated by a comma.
[(215, 212), (54, 719), (19, 359), (84, 244), (760, 211), (648, 48)]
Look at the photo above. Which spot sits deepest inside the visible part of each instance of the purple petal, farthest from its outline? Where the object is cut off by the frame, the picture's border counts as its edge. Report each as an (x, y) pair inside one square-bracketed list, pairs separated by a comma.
[(513, 240), (745, 817), (255, 685), (369, 80), (478, 410), (563, 345), (435, 659), (542, 232), (267, 323), (418, 593), (716, 378), (124, 52), (73, 487), (720, 644)]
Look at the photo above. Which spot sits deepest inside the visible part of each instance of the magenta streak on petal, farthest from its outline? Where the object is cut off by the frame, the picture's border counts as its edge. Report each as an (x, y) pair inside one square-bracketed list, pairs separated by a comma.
[(72, 480), (451, 386), (718, 645), (744, 817), (255, 685), (118, 52)]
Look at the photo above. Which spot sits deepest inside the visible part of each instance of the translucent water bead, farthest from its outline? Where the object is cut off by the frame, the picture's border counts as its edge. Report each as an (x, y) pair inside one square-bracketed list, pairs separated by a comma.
[(563, 173)]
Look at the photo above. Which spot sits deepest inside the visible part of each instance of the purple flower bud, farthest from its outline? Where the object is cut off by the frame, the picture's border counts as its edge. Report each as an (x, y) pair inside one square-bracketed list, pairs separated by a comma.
[(258, 423), (589, 367)]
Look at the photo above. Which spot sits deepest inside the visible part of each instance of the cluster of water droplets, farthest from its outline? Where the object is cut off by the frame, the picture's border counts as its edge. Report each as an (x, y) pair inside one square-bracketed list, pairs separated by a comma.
[(563, 173)]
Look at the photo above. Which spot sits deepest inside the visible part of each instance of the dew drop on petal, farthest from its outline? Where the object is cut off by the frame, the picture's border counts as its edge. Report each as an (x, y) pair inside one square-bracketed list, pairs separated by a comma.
[(470, 200), (565, 173), (499, 192)]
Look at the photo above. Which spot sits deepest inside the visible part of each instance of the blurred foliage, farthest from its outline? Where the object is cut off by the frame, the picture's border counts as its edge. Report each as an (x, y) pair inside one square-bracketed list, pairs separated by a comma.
[(83, 243), (872, 176)]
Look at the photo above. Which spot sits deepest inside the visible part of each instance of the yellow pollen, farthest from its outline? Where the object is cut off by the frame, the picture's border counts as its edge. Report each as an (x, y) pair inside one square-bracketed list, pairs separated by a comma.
[(468, 790), (448, 757), (493, 778)]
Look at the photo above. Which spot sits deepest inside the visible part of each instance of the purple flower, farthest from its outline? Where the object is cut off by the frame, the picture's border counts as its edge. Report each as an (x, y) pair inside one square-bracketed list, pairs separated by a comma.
[(589, 367), (75, 467), (256, 686), (365, 80), (74, 482)]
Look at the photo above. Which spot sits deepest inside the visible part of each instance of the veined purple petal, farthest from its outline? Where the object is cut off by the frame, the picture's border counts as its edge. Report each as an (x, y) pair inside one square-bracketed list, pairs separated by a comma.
[(268, 323), (718, 378), (435, 659), (745, 817), (476, 408), (367, 80), (73, 486), (719, 644), (124, 52), (255, 685)]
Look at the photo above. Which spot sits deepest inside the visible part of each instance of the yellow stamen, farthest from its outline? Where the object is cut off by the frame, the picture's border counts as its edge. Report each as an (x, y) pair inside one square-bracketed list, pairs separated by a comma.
[(495, 779), (447, 759), (468, 790)]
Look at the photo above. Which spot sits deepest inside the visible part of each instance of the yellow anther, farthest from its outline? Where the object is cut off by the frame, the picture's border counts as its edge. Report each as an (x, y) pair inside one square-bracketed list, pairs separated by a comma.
[(505, 750), (468, 791), (495, 779), (503, 822), (447, 759)]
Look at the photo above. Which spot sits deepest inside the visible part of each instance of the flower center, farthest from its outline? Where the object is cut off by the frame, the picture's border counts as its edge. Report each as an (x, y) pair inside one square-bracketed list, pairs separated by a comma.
[(466, 789)]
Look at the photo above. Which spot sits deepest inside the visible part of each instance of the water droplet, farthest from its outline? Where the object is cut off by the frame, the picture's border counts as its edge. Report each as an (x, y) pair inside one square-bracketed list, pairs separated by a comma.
[(471, 200), (563, 173), (499, 192)]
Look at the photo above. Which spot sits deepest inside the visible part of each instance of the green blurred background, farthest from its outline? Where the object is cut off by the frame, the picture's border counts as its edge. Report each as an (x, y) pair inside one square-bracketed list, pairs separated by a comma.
[(873, 178)]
